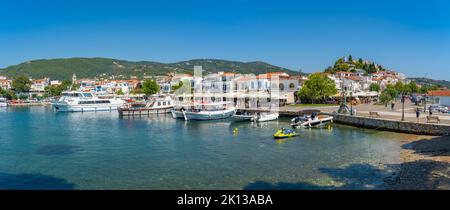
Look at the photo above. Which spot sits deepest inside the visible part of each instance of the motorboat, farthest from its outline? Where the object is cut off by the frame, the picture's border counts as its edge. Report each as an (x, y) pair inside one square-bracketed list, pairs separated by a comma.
[(266, 116), (3, 102), (311, 121), (205, 111), (285, 133), (243, 116), (77, 101), (156, 105)]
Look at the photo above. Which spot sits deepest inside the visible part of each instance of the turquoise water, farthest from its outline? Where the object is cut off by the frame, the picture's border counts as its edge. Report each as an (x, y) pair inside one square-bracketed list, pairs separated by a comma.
[(40, 149)]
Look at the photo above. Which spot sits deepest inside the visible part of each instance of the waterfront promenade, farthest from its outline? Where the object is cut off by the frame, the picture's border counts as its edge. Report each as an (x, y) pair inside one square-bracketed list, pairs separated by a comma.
[(384, 112)]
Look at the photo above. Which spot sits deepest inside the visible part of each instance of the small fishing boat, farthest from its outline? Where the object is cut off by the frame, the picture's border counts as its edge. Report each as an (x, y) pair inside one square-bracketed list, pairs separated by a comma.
[(264, 117), (285, 133), (3, 102), (311, 121), (205, 111), (243, 116)]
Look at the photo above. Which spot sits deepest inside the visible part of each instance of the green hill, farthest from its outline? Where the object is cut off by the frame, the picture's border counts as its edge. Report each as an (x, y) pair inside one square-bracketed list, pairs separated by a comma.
[(431, 82), (63, 68)]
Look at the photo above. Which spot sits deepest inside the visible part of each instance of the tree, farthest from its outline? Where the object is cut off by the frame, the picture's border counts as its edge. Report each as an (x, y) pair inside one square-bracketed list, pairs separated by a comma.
[(23, 96), (350, 59), (317, 87), (385, 97), (400, 87), (21, 84), (412, 87), (150, 87), (56, 90), (374, 87), (426, 88), (8, 94), (391, 91), (3, 92), (119, 92), (177, 86)]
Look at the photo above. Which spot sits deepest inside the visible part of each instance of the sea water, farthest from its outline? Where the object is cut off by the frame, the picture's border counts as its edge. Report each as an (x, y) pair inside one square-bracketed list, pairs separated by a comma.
[(42, 149)]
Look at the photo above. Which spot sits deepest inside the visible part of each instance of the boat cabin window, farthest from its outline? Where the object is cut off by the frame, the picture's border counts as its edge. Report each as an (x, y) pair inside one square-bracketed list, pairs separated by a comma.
[(88, 95), (72, 94), (95, 102)]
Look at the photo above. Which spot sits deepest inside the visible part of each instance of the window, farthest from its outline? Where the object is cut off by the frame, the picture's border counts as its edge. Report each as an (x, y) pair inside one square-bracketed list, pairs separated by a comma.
[(87, 95), (95, 102), (281, 86), (292, 86)]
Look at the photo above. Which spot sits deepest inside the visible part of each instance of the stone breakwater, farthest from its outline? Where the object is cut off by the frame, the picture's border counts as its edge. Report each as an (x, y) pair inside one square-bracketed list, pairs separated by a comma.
[(394, 125)]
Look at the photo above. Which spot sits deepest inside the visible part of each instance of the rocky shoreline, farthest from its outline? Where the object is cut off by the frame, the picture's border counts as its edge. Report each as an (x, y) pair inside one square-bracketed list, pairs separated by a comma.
[(425, 165)]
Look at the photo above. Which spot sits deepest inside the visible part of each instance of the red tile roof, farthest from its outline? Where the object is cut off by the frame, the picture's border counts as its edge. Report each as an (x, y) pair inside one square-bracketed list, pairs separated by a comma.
[(439, 92)]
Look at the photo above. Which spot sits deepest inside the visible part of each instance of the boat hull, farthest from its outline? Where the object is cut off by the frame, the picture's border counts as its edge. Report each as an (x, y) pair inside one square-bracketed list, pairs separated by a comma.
[(243, 117), (143, 111), (208, 115), (267, 117), (317, 122), (85, 108), (177, 114)]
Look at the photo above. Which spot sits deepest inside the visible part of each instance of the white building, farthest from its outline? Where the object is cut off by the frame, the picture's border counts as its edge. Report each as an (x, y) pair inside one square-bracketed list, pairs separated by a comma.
[(39, 85)]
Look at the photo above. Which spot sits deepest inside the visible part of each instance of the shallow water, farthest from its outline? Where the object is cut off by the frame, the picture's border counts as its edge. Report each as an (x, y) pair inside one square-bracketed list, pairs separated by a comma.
[(40, 149)]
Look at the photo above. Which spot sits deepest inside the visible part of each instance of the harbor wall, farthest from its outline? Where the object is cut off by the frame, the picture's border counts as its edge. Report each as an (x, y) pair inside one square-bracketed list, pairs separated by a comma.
[(393, 125)]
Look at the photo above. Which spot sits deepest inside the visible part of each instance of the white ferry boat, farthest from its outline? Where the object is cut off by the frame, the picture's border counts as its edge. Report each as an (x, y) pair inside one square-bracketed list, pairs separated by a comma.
[(205, 111), (77, 101), (3, 102), (156, 105)]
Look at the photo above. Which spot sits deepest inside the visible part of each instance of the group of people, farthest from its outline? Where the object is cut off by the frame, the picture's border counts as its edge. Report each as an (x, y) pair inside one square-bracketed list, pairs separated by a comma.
[(430, 112)]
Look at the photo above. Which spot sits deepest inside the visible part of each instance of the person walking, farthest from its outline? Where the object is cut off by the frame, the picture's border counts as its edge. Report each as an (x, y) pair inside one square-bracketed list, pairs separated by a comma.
[(392, 106), (417, 114)]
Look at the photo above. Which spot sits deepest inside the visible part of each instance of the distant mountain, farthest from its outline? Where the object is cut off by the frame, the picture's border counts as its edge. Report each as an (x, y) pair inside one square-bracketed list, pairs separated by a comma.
[(63, 68), (427, 81)]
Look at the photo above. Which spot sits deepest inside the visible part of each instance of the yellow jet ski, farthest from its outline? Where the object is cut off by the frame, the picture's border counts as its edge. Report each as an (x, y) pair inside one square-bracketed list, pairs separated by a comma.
[(285, 133)]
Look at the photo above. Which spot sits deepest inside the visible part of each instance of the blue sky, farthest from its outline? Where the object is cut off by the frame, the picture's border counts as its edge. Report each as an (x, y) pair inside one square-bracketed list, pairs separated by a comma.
[(409, 36)]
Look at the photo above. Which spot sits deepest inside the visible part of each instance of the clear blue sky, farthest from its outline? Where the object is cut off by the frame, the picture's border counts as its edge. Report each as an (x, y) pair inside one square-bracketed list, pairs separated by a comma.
[(409, 36)]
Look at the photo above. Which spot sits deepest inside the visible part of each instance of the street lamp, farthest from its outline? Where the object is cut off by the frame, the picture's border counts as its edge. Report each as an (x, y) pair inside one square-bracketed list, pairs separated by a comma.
[(351, 103), (403, 107), (425, 103)]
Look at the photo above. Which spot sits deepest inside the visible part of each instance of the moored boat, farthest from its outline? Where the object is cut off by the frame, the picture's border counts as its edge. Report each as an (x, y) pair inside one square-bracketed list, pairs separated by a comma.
[(3, 102), (266, 116), (311, 121), (157, 105), (77, 101), (243, 116), (205, 111)]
